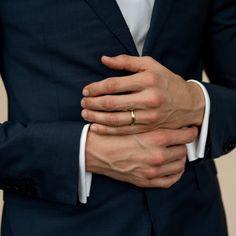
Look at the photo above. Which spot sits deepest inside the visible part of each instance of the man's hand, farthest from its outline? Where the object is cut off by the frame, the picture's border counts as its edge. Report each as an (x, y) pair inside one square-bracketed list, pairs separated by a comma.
[(152, 159), (160, 98)]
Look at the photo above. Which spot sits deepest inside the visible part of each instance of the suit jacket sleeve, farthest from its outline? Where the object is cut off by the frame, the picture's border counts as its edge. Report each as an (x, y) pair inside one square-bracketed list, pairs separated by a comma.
[(41, 159), (220, 65)]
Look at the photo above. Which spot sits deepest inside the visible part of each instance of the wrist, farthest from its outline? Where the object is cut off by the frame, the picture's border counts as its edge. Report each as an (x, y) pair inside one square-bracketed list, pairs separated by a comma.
[(90, 161), (197, 102), (96, 153)]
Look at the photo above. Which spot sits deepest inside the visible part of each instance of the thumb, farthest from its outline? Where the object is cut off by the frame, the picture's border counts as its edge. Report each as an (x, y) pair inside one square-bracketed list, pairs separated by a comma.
[(126, 62)]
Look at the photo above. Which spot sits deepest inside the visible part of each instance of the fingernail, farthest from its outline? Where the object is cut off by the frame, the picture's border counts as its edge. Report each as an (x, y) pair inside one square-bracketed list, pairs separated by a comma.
[(82, 103), (94, 128), (106, 57), (85, 92), (84, 114)]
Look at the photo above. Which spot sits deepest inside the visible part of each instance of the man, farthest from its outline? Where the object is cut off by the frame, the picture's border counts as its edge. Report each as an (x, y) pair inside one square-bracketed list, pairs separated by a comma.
[(143, 113)]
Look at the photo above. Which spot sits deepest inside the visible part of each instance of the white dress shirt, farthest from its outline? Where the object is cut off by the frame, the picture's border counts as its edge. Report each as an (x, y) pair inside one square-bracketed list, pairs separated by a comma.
[(137, 14)]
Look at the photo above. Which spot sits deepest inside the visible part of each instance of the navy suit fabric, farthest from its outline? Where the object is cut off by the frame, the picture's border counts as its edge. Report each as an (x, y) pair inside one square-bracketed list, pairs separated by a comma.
[(51, 49)]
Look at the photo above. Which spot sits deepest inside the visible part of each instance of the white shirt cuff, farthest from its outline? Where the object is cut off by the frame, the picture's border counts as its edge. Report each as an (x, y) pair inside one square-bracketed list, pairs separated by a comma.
[(85, 178), (197, 148)]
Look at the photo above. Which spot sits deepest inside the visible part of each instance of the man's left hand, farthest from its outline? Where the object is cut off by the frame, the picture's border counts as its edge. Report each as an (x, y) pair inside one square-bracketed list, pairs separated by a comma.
[(159, 98)]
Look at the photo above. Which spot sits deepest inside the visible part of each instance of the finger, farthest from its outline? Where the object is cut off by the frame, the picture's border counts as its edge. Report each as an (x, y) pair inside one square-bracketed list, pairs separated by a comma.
[(159, 137), (114, 119), (176, 153), (114, 102), (168, 169), (118, 131), (165, 182), (128, 63), (164, 156), (184, 136), (172, 168), (117, 119), (114, 85), (170, 137)]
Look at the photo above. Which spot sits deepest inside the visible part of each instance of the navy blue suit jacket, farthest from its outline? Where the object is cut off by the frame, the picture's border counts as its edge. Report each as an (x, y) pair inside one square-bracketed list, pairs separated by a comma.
[(51, 49)]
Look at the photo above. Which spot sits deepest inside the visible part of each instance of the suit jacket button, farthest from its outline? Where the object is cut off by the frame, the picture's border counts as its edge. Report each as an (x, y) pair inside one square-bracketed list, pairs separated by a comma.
[(229, 147), (16, 188), (8, 187)]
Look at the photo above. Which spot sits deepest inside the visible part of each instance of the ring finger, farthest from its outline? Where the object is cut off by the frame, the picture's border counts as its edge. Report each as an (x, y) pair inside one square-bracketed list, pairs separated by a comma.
[(117, 119)]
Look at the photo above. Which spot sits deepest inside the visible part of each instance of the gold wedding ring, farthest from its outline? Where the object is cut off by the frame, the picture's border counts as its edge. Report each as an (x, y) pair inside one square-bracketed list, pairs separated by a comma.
[(133, 117)]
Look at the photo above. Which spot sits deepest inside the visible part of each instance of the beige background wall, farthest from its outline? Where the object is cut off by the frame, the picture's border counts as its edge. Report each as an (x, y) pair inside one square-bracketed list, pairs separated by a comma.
[(226, 169)]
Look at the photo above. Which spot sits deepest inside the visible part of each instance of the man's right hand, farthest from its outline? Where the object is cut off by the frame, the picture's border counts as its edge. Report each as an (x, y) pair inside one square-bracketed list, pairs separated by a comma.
[(151, 160)]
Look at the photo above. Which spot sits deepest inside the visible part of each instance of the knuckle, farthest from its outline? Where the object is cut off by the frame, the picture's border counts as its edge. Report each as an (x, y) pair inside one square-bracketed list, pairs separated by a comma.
[(183, 150), (124, 58), (178, 177), (154, 100), (112, 120), (161, 139), (179, 169), (91, 116), (86, 102), (153, 117), (148, 59), (183, 161), (130, 105), (108, 103), (184, 147), (160, 158), (196, 131), (111, 85), (151, 78), (192, 134), (103, 131), (151, 173)]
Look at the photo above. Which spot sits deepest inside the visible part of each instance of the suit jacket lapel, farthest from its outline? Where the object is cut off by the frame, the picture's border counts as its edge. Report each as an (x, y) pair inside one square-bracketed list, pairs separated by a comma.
[(160, 12), (109, 13)]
